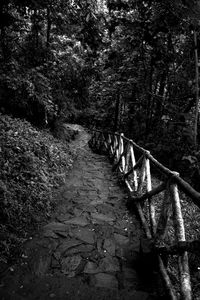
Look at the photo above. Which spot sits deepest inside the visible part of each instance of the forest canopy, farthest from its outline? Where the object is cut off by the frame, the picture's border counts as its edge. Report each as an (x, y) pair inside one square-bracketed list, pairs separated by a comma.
[(126, 65)]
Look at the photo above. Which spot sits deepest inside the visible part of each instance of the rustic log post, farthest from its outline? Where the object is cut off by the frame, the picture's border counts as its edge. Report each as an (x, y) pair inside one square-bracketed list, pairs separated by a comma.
[(114, 145), (180, 236), (164, 217), (136, 166), (128, 186), (110, 144), (127, 158), (152, 213), (121, 151), (135, 179), (167, 280), (116, 148), (180, 247), (106, 143), (142, 176), (143, 220), (152, 193)]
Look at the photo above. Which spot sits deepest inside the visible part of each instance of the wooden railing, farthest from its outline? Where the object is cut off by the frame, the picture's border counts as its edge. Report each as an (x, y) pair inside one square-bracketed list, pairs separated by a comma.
[(137, 177)]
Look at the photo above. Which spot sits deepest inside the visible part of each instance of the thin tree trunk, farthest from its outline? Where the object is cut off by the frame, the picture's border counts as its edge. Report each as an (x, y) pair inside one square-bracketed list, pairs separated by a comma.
[(197, 89), (3, 43), (149, 98), (4, 47), (153, 101), (48, 26), (160, 99), (35, 29)]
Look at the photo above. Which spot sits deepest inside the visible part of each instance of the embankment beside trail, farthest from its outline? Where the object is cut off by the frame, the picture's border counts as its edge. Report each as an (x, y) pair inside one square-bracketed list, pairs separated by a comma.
[(33, 164)]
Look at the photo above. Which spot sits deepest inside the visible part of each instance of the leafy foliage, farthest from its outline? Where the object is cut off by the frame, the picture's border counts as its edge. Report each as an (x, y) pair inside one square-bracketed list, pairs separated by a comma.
[(32, 164), (145, 86), (46, 53)]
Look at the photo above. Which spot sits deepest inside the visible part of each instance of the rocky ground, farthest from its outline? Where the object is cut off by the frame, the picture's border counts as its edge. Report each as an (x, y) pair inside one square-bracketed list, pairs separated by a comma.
[(91, 248)]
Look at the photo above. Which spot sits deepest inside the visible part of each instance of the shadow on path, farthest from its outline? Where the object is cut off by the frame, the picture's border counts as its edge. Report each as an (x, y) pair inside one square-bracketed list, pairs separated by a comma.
[(90, 249)]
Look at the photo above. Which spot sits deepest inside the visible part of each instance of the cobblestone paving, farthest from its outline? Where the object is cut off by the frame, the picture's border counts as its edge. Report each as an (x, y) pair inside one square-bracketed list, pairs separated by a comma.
[(90, 249)]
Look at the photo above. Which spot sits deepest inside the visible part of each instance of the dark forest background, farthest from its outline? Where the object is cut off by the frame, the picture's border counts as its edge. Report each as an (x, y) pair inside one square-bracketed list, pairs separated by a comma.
[(120, 65)]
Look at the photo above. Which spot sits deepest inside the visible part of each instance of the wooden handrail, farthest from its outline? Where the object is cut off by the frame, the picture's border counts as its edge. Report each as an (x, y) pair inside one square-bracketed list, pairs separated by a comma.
[(185, 186), (137, 177)]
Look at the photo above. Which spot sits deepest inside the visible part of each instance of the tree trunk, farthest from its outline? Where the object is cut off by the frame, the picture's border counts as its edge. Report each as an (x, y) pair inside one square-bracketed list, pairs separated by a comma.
[(35, 31), (3, 43), (4, 47), (48, 26), (161, 98), (197, 90), (149, 98)]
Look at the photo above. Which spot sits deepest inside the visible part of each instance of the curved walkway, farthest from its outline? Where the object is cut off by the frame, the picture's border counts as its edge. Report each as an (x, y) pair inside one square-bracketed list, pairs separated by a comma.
[(91, 248)]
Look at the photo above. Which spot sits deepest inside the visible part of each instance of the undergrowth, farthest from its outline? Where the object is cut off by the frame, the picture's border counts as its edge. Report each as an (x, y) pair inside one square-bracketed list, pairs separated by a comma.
[(191, 218), (32, 165)]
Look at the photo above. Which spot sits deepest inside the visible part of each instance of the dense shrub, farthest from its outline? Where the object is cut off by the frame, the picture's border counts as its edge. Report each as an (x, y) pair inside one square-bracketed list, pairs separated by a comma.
[(32, 164)]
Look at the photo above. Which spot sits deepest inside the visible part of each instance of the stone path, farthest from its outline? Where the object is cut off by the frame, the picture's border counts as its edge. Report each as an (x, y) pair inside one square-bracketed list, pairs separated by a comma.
[(91, 248)]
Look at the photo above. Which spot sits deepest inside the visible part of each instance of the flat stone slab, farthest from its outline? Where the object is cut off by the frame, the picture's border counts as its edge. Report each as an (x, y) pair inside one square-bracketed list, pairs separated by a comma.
[(63, 217), (50, 234), (66, 245), (109, 246), (104, 280), (56, 226), (121, 239), (102, 217), (77, 212), (91, 268), (79, 249), (84, 234), (96, 202), (109, 264), (81, 221), (63, 234), (88, 208), (70, 264)]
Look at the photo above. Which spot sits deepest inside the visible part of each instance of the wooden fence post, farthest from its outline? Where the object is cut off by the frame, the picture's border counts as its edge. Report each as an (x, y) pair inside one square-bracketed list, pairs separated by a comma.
[(135, 179), (180, 237), (110, 142), (127, 158), (116, 150), (164, 217), (142, 176), (152, 214), (122, 150)]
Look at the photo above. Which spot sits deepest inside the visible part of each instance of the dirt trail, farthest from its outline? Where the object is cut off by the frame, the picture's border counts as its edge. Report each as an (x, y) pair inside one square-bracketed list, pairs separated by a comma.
[(90, 249)]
